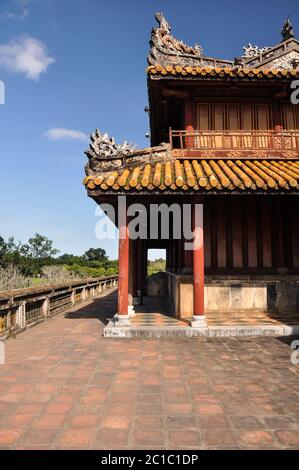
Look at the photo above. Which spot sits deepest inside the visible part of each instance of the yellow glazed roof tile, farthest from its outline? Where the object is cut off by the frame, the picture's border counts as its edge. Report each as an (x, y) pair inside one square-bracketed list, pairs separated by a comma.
[(221, 72), (201, 175)]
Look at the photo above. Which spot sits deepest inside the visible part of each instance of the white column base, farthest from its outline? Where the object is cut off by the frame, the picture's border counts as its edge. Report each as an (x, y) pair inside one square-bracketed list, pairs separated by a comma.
[(131, 311), (121, 320), (199, 321)]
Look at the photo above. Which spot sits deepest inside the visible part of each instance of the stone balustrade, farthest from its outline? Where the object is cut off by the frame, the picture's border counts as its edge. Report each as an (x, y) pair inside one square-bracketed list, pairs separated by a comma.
[(24, 308)]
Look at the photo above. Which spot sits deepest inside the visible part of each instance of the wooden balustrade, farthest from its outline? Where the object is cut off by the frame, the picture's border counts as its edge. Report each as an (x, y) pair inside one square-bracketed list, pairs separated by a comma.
[(22, 308), (240, 141)]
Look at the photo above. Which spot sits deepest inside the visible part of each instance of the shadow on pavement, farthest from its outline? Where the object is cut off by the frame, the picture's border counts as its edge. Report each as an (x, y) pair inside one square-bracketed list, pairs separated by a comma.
[(103, 308)]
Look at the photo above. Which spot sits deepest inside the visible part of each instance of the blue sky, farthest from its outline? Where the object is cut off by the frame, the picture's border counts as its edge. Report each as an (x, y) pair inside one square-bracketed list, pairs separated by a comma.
[(78, 65)]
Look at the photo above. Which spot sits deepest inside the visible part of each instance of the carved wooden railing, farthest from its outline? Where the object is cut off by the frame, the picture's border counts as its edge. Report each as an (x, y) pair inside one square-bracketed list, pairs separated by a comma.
[(23, 308), (247, 142)]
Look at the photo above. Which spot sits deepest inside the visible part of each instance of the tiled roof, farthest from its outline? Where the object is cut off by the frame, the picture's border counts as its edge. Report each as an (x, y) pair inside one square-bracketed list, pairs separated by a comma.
[(220, 72), (201, 175)]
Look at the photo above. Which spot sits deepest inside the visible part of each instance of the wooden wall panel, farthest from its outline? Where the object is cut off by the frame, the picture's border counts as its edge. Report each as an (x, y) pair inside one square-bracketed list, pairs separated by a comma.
[(237, 233), (290, 117), (214, 230), (252, 233), (266, 233), (233, 117), (236, 116), (287, 233), (218, 113), (262, 117), (221, 233), (294, 204), (277, 234), (259, 234), (247, 116), (207, 235), (203, 116), (229, 232)]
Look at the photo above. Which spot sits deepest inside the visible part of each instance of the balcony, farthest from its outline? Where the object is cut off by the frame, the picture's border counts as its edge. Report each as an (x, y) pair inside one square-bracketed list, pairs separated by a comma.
[(234, 144)]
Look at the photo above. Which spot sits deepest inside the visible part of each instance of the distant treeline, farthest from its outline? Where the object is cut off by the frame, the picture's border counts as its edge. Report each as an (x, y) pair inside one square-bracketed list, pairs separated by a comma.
[(37, 260)]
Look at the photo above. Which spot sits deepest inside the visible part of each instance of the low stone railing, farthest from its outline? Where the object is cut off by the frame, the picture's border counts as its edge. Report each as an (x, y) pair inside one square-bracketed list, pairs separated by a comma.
[(23, 308)]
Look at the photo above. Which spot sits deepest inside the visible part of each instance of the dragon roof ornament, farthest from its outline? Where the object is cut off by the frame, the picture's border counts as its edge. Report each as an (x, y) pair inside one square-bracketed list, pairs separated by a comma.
[(104, 153), (165, 49), (169, 51), (166, 41)]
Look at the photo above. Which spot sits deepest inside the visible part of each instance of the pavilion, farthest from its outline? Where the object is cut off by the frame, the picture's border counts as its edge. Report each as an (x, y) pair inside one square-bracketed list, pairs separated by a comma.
[(230, 150)]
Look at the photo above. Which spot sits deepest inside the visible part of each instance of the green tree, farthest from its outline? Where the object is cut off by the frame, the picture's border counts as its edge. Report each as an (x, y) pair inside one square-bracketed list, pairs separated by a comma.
[(69, 259), (10, 252), (36, 253), (40, 247), (95, 254)]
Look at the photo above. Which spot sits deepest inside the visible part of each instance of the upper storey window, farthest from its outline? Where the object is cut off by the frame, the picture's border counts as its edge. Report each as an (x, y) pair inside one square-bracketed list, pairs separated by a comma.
[(233, 116), (290, 117), (243, 116)]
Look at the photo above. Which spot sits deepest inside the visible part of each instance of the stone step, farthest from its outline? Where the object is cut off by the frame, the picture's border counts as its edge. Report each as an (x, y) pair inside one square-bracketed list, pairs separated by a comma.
[(113, 331)]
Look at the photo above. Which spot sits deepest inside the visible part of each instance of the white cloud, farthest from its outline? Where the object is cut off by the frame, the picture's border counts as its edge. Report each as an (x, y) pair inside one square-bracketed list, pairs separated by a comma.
[(18, 10), (59, 133), (25, 55)]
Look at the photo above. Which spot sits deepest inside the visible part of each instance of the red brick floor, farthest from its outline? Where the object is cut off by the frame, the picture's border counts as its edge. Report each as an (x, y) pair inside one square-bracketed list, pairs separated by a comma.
[(65, 386)]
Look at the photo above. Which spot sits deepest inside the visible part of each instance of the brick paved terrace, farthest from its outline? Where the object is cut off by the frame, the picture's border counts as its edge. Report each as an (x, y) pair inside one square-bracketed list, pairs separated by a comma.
[(64, 386)]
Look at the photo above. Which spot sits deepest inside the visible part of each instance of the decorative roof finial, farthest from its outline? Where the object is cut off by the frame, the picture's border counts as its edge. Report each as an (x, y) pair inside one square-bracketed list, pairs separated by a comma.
[(163, 23), (162, 38), (104, 153), (287, 30)]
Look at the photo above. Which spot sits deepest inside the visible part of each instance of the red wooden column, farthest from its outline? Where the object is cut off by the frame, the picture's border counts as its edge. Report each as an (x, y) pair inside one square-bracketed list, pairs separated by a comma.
[(189, 122), (277, 118), (198, 267), (132, 287), (123, 263), (277, 124)]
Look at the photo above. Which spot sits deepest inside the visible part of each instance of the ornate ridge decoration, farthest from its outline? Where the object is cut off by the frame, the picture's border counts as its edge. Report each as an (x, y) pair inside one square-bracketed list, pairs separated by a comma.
[(167, 51), (281, 56), (251, 51), (287, 62), (167, 42), (104, 153)]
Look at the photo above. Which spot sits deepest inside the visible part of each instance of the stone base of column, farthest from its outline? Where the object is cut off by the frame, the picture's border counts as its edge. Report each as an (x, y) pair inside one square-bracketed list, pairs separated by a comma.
[(121, 320), (199, 321), (131, 311)]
